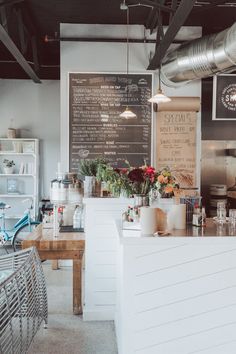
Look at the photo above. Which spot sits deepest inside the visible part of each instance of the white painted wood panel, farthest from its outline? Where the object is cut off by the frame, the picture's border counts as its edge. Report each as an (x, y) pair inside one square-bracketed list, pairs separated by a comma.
[(101, 256), (178, 299)]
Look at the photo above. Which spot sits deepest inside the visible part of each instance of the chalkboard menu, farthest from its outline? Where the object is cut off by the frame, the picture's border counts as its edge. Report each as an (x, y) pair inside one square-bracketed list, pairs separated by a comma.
[(96, 129), (224, 97)]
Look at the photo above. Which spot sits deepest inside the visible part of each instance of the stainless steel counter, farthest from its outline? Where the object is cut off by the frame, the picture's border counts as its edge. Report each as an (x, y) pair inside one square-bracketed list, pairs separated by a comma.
[(212, 233), (212, 229)]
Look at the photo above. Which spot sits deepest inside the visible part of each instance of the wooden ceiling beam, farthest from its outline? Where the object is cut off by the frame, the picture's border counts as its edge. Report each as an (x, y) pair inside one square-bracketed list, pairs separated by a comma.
[(10, 45), (177, 22)]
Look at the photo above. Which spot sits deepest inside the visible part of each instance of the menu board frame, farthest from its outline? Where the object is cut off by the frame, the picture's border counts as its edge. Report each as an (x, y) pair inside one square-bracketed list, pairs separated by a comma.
[(152, 151), (222, 107)]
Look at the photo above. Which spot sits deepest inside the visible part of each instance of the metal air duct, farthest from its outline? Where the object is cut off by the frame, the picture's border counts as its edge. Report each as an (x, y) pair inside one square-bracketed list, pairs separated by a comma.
[(201, 58)]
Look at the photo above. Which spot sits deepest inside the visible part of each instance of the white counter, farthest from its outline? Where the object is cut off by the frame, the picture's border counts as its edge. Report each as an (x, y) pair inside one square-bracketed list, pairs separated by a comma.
[(177, 294), (101, 256)]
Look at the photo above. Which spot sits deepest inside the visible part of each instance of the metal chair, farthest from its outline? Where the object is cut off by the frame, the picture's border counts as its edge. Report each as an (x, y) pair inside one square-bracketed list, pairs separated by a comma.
[(23, 300)]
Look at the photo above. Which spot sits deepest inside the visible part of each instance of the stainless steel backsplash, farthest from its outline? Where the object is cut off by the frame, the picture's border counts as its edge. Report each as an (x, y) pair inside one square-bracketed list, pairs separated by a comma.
[(216, 166)]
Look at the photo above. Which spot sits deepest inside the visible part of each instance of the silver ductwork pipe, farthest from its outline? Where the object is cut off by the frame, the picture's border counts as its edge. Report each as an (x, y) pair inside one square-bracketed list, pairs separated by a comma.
[(201, 58)]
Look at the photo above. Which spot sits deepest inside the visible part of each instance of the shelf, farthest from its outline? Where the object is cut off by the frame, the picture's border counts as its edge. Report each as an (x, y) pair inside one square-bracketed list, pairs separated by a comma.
[(16, 196), (17, 153), (16, 175), (9, 217), (21, 139)]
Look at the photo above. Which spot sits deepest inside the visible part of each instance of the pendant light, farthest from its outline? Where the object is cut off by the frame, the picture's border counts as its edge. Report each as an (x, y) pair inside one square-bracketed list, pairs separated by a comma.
[(160, 96), (127, 112)]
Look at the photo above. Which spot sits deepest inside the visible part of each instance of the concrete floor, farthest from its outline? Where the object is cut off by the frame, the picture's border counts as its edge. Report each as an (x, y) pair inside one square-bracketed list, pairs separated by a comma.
[(67, 333)]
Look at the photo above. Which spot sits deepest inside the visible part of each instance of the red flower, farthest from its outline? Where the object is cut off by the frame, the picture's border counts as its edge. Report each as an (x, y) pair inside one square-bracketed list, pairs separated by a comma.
[(136, 175), (150, 170), (117, 170)]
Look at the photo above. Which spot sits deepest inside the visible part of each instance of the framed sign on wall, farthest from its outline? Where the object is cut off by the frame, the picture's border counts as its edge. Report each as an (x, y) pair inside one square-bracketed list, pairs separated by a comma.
[(224, 97)]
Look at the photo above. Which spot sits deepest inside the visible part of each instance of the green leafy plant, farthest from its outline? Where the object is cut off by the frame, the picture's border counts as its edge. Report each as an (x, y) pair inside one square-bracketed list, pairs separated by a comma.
[(8, 163), (128, 181), (89, 167)]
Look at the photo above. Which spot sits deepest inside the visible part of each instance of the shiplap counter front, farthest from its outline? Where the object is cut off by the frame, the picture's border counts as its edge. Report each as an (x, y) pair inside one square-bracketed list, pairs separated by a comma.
[(101, 256), (176, 294)]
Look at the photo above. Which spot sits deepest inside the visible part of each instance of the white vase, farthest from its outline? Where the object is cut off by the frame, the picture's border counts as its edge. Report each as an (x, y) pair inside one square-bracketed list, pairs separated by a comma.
[(8, 170)]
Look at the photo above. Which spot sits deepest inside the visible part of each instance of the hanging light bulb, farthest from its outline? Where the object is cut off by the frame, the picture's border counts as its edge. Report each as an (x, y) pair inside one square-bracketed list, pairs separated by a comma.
[(127, 112), (160, 97)]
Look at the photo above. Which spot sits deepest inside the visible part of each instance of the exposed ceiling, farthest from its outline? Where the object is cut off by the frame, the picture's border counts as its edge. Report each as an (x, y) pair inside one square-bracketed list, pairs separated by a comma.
[(27, 24)]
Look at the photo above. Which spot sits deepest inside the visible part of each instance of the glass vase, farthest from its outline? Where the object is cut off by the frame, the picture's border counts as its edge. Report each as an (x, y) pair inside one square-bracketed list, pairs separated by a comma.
[(89, 186), (141, 200)]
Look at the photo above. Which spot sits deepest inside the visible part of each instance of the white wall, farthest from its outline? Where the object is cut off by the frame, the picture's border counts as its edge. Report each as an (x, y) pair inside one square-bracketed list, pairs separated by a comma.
[(35, 109), (103, 57)]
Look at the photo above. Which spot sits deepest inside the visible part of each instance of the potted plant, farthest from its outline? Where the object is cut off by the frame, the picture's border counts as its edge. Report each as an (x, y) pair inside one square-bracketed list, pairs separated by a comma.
[(130, 181), (88, 170), (8, 166)]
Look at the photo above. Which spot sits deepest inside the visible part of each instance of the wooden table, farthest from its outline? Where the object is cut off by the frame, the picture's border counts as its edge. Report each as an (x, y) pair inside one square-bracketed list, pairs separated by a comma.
[(65, 246)]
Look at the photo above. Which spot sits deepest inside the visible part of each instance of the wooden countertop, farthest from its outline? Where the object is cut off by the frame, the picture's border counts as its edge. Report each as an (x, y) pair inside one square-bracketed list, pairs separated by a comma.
[(43, 239)]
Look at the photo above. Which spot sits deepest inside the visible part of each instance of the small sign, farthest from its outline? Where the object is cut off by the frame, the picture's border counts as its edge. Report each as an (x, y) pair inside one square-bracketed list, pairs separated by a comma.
[(224, 97)]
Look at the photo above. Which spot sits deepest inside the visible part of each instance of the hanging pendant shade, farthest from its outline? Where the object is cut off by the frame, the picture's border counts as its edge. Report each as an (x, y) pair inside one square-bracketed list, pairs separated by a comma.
[(127, 112), (159, 97)]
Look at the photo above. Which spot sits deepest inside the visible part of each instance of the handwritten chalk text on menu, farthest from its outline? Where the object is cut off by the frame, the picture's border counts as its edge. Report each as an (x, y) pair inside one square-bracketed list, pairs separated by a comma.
[(96, 128), (176, 145)]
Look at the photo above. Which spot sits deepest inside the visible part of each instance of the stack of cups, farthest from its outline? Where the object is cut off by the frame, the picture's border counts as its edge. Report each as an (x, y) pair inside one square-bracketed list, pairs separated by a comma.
[(148, 220), (154, 219), (176, 218)]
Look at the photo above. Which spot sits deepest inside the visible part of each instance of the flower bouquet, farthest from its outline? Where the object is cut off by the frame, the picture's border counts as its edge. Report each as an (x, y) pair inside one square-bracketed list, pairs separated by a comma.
[(128, 181), (166, 183)]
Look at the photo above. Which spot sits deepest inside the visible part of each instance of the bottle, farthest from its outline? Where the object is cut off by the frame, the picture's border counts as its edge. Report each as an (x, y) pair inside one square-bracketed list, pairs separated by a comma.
[(77, 217), (203, 217), (197, 216), (131, 215), (231, 196), (136, 216), (82, 216), (128, 214)]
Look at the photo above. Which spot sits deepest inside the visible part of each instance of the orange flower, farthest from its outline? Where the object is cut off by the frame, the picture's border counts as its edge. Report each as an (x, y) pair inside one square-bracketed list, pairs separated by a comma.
[(166, 180), (161, 179), (168, 189)]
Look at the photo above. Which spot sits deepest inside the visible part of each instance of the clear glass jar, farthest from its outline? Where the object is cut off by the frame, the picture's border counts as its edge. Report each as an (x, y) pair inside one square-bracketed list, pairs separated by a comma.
[(221, 212)]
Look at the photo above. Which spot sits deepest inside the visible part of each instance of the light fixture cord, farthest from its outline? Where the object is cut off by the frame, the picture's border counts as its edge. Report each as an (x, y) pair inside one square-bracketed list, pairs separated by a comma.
[(160, 40), (127, 53)]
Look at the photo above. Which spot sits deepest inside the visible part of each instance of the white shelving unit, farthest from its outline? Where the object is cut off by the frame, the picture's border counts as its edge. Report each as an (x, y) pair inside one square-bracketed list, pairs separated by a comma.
[(25, 154)]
